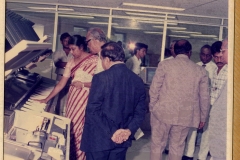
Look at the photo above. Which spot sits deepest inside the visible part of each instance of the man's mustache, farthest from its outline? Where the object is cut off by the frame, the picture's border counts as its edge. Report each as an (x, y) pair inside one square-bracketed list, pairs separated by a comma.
[(219, 63)]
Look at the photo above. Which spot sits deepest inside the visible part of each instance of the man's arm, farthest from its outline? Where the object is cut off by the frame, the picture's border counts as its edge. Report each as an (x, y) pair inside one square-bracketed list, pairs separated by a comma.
[(139, 112), (57, 60), (156, 86), (129, 64), (60, 64), (204, 96), (95, 101)]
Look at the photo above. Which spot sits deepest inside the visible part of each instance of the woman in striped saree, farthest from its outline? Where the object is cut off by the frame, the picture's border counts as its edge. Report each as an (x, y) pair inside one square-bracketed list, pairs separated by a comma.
[(81, 69)]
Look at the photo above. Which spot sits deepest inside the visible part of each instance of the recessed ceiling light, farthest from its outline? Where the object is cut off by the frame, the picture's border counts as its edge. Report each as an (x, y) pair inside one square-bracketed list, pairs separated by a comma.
[(47, 8), (180, 28), (179, 36), (208, 36), (187, 32), (104, 23), (73, 16), (150, 32), (156, 22), (152, 6), (148, 15), (130, 28)]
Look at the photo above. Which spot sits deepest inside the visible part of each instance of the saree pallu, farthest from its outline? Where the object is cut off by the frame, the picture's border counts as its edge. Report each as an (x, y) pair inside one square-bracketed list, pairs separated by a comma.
[(76, 104)]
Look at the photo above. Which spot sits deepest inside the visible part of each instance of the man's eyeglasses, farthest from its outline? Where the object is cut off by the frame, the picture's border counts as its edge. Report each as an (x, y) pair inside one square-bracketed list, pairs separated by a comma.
[(88, 41)]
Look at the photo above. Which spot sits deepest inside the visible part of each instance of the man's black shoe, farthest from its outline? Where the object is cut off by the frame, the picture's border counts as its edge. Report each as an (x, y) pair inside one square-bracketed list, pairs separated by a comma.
[(187, 158), (209, 154), (166, 151)]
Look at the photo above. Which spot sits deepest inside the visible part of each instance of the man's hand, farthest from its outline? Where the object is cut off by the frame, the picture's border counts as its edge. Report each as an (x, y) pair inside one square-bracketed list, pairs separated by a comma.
[(201, 125), (121, 135), (60, 64), (77, 84)]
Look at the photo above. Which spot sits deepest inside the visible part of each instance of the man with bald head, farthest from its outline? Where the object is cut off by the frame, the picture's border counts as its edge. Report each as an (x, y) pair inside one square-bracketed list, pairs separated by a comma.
[(95, 39), (179, 100), (218, 113)]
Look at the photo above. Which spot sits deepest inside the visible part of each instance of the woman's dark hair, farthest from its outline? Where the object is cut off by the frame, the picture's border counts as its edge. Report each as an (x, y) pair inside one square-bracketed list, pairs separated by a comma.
[(78, 41), (113, 51), (216, 46)]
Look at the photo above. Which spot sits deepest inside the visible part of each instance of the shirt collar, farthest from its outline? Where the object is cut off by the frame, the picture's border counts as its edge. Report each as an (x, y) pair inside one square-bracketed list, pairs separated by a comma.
[(207, 64), (181, 56), (136, 58)]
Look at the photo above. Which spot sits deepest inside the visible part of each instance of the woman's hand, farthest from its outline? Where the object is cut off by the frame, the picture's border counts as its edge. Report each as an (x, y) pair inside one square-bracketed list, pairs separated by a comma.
[(77, 84), (41, 100)]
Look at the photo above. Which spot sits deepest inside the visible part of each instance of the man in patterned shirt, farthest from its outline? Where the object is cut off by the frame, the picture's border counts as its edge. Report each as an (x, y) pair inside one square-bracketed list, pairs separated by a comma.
[(210, 66), (218, 113), (220, 73)]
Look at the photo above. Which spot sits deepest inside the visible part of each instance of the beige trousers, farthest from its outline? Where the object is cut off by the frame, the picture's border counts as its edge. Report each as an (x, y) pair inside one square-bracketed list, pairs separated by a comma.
[(190, 143), (204, 145), (160, 134)]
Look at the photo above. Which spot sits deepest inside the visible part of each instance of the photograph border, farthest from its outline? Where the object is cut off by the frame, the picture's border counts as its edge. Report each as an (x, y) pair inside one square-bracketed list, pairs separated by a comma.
[(233, 138), (236, 84)]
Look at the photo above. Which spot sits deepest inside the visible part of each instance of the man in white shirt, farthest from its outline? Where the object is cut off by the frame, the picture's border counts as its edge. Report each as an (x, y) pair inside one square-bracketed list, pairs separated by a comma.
[(218, 113), (135, 61), (60, 59), (95, 39), (206, 62)]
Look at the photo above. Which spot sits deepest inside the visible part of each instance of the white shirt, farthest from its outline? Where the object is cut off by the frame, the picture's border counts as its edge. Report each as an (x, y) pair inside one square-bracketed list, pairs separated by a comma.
[(210, 67), (133, 64), (61, 55), (99, 67), (217, 82)]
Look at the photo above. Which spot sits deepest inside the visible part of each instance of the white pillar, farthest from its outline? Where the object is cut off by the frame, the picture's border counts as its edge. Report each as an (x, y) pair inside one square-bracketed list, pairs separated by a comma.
[(220, 37), (55, 30), (164, 38), (109, 24)]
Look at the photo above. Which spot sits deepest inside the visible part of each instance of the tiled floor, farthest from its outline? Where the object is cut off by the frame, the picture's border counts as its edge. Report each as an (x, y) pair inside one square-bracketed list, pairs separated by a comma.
[(140, 149)]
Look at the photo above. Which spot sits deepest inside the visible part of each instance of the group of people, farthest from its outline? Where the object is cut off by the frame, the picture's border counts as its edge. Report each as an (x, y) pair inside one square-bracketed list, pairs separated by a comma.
[(104, 118), (106, 97), (186, 98)]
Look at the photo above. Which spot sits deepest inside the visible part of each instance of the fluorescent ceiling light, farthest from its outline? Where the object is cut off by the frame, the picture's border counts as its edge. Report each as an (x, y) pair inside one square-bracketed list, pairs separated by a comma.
[(105, 23), (148, 15), (187, 32), (149, 32), (156, 22), (206, 41), (180, 28), (152, 6), (130, 28), (209, 36), (179, 36), (73, 16), (79, 29), (46, 8)]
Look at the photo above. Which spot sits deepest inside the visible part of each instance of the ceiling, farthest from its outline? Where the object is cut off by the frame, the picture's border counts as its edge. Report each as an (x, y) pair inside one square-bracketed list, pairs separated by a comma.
[(217, 8), (208, 12)]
